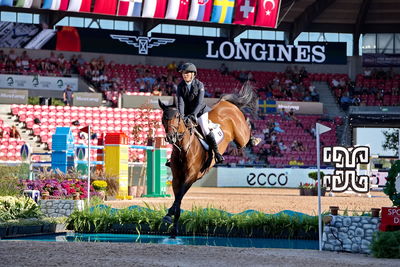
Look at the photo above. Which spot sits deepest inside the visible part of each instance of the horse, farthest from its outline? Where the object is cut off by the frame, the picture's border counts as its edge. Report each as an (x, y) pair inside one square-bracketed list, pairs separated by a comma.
[(189, 160)]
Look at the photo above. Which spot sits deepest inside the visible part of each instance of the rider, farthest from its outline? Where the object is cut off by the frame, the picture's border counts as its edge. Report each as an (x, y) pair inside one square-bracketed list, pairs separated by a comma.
[(191, 105)]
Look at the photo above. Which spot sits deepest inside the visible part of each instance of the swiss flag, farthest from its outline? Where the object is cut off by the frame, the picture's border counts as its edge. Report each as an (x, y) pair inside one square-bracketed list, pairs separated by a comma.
[(177, 9), (244, 12), (268, 13)]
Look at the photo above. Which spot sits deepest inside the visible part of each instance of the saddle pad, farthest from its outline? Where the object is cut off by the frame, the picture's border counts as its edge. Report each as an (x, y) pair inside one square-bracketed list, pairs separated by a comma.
[(218, 134)]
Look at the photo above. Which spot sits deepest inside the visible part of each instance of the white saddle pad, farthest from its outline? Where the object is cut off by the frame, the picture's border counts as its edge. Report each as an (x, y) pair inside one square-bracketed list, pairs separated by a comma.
[(217, 131)]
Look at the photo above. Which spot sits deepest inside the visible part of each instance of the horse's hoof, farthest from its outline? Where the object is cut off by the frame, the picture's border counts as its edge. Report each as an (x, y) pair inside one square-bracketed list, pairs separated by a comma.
[(167, 219)]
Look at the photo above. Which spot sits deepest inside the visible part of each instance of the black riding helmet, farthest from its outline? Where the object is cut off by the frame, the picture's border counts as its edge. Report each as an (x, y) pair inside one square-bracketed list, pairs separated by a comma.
[(190, 67)]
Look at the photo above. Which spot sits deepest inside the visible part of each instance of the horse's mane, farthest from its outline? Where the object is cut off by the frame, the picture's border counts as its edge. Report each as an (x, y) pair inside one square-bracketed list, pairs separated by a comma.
[(246, 99)]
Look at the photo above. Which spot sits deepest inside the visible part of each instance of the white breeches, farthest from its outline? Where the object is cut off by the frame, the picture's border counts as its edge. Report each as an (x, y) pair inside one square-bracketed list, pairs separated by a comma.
[(203, 122)]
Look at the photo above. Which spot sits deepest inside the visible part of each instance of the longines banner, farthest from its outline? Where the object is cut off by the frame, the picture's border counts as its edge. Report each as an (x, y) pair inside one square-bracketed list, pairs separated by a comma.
[(87, 99), (301, 107), (213, 48), (33, 82), (13, 96), (264, 177), (136, 101)]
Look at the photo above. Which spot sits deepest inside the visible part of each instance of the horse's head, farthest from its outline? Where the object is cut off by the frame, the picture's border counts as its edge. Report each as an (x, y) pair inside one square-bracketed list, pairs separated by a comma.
[(173, 123)]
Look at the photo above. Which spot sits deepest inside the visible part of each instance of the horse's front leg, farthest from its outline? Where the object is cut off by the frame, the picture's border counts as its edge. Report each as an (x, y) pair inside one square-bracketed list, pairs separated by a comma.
[(175, 209)]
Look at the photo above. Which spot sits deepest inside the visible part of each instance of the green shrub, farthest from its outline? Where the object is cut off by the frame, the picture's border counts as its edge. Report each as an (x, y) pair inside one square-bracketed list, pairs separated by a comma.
[(12, 208), (33, 100), (10, 176), (386, 245), (198, 221), (314, 175)]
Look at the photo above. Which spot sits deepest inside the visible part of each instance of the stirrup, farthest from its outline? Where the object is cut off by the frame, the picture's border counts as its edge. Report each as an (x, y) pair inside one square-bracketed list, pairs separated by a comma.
[(219, 158)]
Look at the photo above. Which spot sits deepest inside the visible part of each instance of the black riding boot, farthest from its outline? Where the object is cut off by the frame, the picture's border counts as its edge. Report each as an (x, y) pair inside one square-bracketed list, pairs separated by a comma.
[(168, 163), (213, 145)]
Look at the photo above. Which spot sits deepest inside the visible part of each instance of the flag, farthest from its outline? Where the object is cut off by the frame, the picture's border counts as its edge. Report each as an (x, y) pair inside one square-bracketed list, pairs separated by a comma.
[(321, 128), (84, 129), (154, 8), (6, 2), (200, 10), (244, 12), (86, 6), (129, 8), (268, 13), (137, 8), (267, 106), (23, 3), (36, 3), (46, 4), (222, 11), (177, 9), (107, 7), (74, 5), (64, 4), (55, 5)]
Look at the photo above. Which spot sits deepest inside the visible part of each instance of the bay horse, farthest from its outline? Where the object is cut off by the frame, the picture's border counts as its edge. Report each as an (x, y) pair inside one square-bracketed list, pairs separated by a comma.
[(189, 160)]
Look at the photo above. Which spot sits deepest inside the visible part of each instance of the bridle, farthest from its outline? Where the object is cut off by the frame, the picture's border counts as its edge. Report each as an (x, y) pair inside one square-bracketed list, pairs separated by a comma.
[(173, 136)]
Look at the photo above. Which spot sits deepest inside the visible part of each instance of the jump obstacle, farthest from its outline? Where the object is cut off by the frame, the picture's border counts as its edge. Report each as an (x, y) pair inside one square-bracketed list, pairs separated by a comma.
[(113, 157)]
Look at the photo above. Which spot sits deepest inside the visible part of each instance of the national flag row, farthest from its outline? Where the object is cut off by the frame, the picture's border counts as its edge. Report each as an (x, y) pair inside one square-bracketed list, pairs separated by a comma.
[(245, 12)]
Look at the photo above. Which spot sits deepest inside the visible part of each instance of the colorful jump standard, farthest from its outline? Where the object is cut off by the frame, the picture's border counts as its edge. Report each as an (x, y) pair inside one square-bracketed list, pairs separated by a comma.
[(116, 157)]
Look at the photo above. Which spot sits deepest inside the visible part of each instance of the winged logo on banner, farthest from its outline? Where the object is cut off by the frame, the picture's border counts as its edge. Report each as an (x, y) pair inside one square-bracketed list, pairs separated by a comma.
[(143, 43)]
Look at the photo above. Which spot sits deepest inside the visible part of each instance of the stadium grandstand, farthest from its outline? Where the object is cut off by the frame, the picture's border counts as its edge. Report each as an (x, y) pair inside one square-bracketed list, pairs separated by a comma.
[(309, 61)]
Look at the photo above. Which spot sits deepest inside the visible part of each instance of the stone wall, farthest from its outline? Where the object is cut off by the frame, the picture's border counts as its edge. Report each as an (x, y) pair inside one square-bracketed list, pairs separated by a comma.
[(349, 233), (60, 207)]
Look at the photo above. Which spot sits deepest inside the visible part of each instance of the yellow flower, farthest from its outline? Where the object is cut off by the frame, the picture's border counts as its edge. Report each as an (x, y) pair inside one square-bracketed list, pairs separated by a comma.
[(100, 185)]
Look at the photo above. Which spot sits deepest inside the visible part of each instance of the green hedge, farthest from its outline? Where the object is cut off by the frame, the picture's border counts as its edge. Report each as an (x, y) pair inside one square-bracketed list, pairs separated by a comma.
[(12, 208), (198, 221), (386, 245)]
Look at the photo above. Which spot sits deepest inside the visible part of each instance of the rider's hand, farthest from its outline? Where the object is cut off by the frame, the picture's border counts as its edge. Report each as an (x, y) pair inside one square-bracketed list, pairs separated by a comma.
[(189, 119)]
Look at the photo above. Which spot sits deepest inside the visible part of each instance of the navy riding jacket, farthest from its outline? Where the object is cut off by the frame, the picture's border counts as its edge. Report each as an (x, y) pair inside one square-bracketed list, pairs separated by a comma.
[(191, 100)]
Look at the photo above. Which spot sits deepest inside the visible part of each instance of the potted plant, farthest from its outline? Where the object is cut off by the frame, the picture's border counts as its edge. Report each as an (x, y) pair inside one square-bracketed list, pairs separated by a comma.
[(308, 189), (100, 186)]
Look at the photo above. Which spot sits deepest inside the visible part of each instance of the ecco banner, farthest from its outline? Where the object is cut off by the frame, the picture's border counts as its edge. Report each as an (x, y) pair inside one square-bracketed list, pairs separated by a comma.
[(201, 47), (33, 82), (264, 177), (87, 99), (13, 96)]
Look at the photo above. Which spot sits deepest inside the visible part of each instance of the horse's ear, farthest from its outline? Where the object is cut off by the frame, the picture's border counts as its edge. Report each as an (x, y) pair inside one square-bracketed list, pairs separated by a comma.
[(161, 104)]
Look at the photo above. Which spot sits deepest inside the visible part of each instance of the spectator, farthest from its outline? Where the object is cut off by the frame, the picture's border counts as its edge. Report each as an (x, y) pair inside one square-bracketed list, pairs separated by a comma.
[(68, 96), (283, 114), (14, 133), (277, 128), (171, 67), (282, 146), (223, 69)]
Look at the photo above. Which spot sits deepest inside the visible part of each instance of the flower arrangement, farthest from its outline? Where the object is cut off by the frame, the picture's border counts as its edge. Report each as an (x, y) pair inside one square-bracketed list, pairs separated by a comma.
[(307, 186), (392, 187), (99, 185), (58, 188)]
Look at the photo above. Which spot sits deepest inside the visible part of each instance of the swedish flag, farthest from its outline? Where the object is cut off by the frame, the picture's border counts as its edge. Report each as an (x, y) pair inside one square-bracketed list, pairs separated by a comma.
[(267, 106), (222, 11)]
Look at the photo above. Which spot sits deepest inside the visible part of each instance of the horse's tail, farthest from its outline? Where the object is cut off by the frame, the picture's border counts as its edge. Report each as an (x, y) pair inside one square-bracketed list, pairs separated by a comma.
[(246, 99)]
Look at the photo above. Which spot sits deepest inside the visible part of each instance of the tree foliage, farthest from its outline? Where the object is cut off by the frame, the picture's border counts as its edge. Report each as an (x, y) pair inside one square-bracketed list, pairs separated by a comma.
[(391, 140)]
